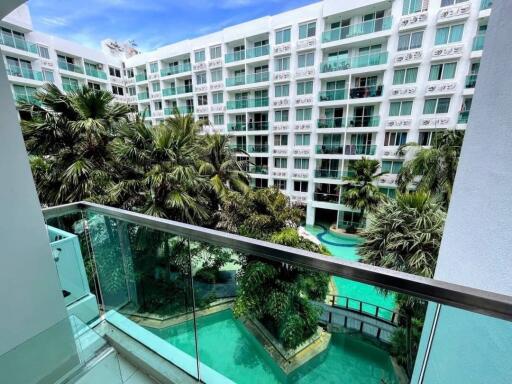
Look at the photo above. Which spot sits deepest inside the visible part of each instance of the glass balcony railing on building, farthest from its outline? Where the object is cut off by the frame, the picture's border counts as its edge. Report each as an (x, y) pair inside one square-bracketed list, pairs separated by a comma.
[(237, 127), (257, 148), (259, 169), (176, 69), (17, 42), (70, 67), (333, 122), (172, 91), (485, 4), (463, 117), (346, 63), (369, 91), (199, 298), (257, 126), (247, 103), (329, 149), (360, 149), (471, 81), (25, 73), (327, 173), (364, 121), (478, 42), (96, 73), (143, 95), (331, 95), (366, 27)]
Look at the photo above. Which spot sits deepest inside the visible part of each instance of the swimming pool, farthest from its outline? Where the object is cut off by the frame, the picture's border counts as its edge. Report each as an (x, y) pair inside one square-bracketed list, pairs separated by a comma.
[(226, 346), (345, 247)]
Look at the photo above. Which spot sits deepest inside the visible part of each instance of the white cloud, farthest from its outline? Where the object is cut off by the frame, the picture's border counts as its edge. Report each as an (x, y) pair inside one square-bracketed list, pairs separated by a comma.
[(55, 21)]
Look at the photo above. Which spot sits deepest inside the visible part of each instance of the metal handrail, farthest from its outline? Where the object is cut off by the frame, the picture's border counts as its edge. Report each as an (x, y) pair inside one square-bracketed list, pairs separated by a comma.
[(468, 298)]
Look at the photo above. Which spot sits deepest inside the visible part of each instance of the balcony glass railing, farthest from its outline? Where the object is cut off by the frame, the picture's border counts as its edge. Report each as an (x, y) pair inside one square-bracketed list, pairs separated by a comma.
[(471, 81), (174, 70), (18, 43), (237, 127), (463, 117), (70, 67), (26, 73), (177, 90), (70, 87), (183, 109), (327, 197), (360, 149), (363, 92), (234, 81), (27, 99), (257, 51), (257, 126), (143, 95), (329, 149), (259, 169), (478, 43), (335, 94), (238, 147), (257, 148), (333, 122), (248, 103), (96, 73), (363, 121), (327, 173), (360, 61), (159, 273), (257, 77), (234, 56), (370, 26), (485, 4), (141, 77)]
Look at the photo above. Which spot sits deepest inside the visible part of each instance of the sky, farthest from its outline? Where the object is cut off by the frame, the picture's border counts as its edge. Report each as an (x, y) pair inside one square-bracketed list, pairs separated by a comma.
[(151, 23)]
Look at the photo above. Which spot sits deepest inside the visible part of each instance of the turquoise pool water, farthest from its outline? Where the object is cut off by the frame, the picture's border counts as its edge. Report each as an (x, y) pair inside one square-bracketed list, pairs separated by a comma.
[(227, 347), (345, 247)]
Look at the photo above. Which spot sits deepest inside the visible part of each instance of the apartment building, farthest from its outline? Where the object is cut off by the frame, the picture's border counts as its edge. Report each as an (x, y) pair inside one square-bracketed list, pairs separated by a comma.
[(302, 93)]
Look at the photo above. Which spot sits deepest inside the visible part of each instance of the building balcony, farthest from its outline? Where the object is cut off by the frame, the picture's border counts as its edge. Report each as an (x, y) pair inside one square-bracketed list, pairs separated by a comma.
[(70, 87), (237, 127), (247, 103), (463, 117), (257, 77), (334, 122), (332, 95), (258, 169), (360, 61), (27, 99), (257, 148), (327, 173), (359, 29), (18, 43), (363, 121), (485, 4), (247, 54), (238, 147), (363, 92), (326, 197), (234, 81), (360, 149), (96, 73), (25, 73), (258, 126), (143, 95), (470, 81), (141, 77), (173, 91), (176, 69), (329, 149), (70, 67), (478, 43), (183, 109)]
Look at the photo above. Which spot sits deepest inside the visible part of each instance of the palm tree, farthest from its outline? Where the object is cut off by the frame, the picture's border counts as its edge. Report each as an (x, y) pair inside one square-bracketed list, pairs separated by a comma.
[(361, 192), (435, 166), (157, 170), (67, 136), (222, 168)]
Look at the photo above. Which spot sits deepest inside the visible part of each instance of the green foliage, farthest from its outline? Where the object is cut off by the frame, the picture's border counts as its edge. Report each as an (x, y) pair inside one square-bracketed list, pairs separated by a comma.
[(401, 349), (435, 166), (361, 191)]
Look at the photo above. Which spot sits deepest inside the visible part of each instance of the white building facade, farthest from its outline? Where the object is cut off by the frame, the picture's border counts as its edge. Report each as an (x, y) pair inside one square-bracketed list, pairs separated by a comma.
[(302, 93)]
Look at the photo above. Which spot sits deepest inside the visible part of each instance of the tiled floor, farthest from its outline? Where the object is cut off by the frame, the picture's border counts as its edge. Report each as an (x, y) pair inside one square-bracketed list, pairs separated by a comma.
[(131, 375)]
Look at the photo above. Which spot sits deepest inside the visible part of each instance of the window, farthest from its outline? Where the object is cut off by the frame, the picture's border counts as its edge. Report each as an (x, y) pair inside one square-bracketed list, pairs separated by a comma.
[(153, 67), (281, 115), (94, 86), (117, 90), (260, 183), (131, 91), (217, 98), (201, 78), (114, 71), (218, 119), (158, 105), (48, 76), (283, 36), (446, 3), (199, 56), (306, 59), (449, 34), (302, 139), (202, 100), (280, 162), (391, 166), (395, 139), (301, 163), (69, 83), (130, 73), (426, 138), (305, 88), (307, 30), (410, 41), (433, 106), (216, 75), (405, 76), (389, 192), (442, 71), (280, 184), (280, 140), (282, 64), (215, 52), (155, 86), (300, 186), (400, 108), (411, 6), (282, 90), (303, 114), (43, 52)]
